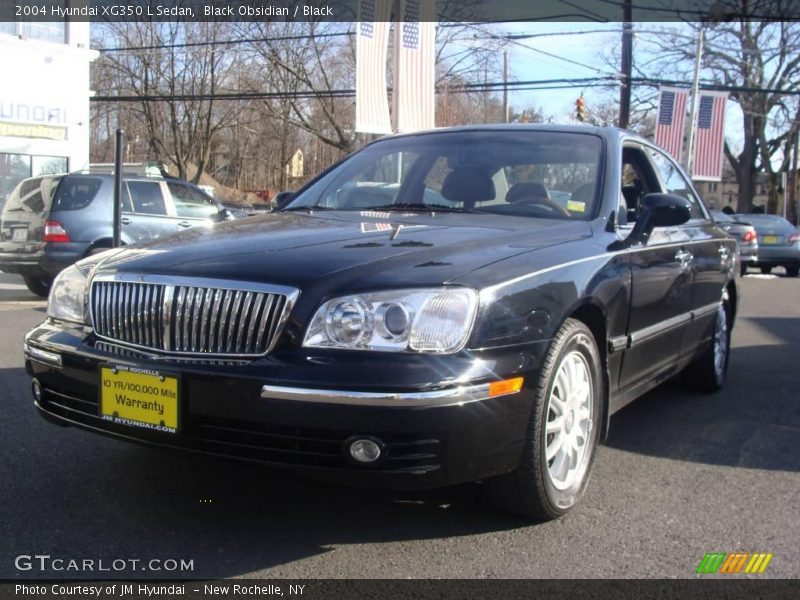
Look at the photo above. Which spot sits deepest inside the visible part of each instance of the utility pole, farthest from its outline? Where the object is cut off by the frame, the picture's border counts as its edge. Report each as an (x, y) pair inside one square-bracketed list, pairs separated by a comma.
[(695, 103), (793, 178), (505, 86), (626, 66)]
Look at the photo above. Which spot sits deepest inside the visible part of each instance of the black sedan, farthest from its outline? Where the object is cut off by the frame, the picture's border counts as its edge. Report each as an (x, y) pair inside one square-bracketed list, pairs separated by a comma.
[(422, 314)]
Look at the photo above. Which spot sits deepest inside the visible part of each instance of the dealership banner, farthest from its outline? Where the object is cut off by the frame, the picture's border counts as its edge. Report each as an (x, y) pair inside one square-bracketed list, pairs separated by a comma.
[(671, 118), (413, 95), (709, 136), (372, 40)]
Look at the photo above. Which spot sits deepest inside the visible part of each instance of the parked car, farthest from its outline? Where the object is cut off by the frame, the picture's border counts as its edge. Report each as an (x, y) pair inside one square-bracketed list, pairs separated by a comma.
[(50, 222), (408, 343), (744, 233), (778, 243)]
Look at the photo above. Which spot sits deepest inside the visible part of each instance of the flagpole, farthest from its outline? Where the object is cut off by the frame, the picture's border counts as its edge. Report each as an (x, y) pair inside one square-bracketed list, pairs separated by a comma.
[(695, 92)]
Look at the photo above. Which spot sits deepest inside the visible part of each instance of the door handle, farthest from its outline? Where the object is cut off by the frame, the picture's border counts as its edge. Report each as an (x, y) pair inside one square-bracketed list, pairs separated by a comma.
[(684, 257), (184, 224), (125, 221)]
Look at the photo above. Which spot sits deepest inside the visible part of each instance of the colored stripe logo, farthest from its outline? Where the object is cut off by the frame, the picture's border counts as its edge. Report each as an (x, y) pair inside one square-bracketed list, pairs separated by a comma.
[(734, 562)]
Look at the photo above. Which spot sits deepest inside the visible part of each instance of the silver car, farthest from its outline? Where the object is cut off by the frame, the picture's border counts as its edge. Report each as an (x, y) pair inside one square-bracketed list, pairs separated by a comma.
[(778, 243), (744, 233)]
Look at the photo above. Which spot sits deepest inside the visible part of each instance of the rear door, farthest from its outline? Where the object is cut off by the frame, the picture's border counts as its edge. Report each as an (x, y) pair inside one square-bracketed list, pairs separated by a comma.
[(712, 255), (148, 217), (192, 207)]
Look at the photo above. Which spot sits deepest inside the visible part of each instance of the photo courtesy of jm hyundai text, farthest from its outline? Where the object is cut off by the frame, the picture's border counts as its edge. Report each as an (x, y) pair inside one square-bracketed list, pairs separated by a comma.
[(465, 304)]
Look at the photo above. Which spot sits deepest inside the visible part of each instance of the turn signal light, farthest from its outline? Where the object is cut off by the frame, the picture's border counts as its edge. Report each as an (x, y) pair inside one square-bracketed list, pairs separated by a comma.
[(55, 232), (794, 238), (748, 236), (505, 387)]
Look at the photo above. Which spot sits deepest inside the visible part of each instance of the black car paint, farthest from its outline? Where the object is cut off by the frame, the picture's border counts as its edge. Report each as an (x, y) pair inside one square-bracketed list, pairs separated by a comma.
[(532, 274)]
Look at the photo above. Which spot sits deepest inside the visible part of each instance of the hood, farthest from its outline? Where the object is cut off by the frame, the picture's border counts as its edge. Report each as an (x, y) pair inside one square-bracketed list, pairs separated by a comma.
[(359, 249)]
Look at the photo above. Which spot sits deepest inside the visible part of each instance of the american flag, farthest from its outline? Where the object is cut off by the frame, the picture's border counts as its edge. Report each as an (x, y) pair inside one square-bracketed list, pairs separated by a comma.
[(710, 136), (372, 38), (671, 119), (415, 66)]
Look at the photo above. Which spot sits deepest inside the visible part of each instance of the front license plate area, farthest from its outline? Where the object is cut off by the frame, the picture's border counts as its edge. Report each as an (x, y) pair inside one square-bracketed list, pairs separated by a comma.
[(770, 239), (139, 398)]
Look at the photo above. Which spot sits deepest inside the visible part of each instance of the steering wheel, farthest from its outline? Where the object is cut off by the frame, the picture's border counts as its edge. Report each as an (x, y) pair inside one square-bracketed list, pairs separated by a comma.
[(548, 204)]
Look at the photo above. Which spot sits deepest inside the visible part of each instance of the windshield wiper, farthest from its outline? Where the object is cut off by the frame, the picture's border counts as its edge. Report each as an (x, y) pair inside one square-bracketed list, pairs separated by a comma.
[(305, 208), (419, 206)]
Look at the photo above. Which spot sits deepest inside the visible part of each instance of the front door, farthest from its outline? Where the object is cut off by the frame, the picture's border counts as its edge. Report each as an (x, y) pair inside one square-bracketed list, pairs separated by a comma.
[(661, 276)]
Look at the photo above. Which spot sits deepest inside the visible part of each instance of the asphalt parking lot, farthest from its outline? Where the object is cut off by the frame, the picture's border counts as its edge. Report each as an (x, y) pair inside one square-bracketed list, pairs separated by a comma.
[(680, 475)]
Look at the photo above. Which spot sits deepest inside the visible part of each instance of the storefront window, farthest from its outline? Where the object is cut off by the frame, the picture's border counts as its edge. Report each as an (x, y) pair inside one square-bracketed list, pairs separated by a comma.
[(55, 32), (13, 169), (48, 165), (16, 167)]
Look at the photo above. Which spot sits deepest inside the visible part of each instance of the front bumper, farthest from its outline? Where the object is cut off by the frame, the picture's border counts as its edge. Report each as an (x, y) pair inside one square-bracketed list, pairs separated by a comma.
[(433, 415)]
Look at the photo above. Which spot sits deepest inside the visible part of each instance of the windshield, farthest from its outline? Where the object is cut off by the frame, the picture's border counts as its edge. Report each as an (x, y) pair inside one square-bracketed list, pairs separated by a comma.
[(516, 173)]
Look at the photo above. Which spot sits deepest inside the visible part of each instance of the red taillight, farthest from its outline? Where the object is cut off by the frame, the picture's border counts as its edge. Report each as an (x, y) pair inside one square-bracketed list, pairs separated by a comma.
[(55, 232), (748, 237), (794, 238)]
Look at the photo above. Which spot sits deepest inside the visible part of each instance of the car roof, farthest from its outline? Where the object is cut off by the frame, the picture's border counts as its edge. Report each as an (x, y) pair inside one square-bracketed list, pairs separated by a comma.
[(605, 131)]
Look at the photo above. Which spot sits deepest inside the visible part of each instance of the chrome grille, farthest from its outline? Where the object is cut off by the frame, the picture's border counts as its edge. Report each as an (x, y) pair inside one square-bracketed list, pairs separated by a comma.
[(180, 316)]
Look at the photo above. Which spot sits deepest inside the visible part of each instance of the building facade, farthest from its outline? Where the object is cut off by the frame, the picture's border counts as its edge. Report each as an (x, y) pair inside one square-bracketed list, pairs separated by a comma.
[(44, 99)]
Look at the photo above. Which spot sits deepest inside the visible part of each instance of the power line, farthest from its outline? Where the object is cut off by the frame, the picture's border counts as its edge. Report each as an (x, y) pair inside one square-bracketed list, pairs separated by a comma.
[(541, 84)]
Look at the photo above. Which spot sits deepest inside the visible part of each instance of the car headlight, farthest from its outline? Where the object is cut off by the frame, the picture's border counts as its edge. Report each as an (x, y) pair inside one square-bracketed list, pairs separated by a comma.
[(67, 299), (423, 320)]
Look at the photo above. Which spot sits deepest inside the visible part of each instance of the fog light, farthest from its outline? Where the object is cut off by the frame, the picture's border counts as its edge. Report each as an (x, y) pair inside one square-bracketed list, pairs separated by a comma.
[(36, 388), (365, 450)]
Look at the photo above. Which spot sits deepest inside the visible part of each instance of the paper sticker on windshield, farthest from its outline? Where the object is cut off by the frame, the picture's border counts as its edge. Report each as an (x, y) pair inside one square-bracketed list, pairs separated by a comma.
[(575, 206)]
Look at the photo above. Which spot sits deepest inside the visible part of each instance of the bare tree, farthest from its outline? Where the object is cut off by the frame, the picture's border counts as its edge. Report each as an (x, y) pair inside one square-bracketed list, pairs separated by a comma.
[(176, 83), (755, 56)]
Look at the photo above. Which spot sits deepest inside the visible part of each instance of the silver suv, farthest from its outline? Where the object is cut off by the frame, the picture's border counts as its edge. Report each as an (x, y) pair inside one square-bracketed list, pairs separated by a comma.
[(50, 222)]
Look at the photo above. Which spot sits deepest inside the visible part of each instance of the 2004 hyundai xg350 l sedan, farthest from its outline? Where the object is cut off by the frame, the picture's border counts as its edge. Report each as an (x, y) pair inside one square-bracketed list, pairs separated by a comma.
[(458, 305)]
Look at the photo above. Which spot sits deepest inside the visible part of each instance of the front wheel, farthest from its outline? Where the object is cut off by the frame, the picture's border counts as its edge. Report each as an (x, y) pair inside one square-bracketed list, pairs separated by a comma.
[(39, 285), (793, 270), (562, 433)]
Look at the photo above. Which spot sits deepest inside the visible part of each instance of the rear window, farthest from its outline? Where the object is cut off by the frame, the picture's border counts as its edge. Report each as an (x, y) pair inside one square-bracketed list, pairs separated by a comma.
[(75, 193), (32, 195)]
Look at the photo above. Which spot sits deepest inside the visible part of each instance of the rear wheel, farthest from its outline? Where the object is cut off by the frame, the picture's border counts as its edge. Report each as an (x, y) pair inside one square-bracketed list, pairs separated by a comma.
[(793, 270), (39, 285), (766, 270), (707, 372), (743, 269), (562, 433)]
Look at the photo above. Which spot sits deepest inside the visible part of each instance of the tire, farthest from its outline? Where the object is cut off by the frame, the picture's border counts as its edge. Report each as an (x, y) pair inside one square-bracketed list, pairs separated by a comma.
[(793, 270), (743, 269), (766, 270), (707, 372), (538, 488), (97, 250), (39, 285)]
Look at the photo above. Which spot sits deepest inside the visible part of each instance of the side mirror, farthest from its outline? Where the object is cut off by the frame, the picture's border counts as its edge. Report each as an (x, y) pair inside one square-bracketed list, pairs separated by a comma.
[(658, 210), (282, 199)]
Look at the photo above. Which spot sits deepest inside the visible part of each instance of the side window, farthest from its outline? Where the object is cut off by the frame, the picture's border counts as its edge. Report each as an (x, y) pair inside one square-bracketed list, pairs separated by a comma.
[(638, 180), (674, 182), (190, 203), (146, 198), (77, 192)]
